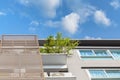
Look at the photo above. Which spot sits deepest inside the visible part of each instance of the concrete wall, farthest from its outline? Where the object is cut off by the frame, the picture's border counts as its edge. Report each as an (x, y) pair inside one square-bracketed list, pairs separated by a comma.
[(9, 61), (78, 67), (54, 59)]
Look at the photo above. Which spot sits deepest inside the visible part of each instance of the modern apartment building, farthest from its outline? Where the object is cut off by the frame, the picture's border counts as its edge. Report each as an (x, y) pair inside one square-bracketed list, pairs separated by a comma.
[(95, 60), (20, 59)]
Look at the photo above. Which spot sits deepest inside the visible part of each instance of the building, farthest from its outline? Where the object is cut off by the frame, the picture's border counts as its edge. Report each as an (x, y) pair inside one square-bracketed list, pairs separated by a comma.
[(91, 60), (20, 58), (95, 60)]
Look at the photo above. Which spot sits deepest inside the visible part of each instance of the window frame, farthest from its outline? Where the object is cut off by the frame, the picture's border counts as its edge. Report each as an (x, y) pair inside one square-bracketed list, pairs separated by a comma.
[(99, 70), (95, 57), (86, 50), (107, 76), (110, 50), (101, 50)]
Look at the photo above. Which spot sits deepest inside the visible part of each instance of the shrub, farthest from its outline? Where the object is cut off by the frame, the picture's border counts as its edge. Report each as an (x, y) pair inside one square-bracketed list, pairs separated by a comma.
[(58, 44)]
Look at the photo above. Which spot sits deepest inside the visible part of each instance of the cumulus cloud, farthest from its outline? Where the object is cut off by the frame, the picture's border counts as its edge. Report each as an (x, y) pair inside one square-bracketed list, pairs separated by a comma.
[(85, 10), (80, 13), (92, 38), (115, 4), (71, 22), (101, 18), (46, 7), (50, 6), (2, 14)]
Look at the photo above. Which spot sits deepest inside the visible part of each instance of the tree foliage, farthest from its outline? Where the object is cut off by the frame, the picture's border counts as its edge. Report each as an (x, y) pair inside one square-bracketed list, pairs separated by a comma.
[(58, 44)]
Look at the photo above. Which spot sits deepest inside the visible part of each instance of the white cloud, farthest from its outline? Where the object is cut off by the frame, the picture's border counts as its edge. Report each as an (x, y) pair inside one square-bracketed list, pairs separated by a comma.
[(50, 7), (71, 22), (34, 23), (2, 14), (115, 4), (92, 38), (86, 10), (25, 2), (101, 18), (32, 29), (83, 9), (46, 7), (51, 23), (81, 13)]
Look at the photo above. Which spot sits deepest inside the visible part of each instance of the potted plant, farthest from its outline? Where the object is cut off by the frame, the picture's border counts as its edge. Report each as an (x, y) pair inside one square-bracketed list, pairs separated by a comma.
[(58, 45), (57, 48)]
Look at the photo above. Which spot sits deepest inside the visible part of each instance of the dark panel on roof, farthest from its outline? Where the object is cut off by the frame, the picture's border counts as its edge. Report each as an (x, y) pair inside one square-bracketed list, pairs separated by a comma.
[(100, 43), (93, 42)]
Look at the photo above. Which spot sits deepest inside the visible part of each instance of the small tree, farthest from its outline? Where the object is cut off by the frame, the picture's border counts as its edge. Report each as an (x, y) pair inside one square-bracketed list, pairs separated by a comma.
[(58, 44)]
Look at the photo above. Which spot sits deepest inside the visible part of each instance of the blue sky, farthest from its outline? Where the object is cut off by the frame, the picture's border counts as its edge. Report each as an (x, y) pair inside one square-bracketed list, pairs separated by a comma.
[(77, 19)]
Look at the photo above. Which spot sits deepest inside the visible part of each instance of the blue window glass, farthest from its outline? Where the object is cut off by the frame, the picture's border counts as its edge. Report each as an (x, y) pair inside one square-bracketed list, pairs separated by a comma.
[(101, 53), (97, 73), (86, 53), (97, 58), (113, 73), (115, 53)]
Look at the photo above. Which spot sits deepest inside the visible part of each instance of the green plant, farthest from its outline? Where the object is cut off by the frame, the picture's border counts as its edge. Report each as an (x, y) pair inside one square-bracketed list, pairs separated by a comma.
[(58, 44)]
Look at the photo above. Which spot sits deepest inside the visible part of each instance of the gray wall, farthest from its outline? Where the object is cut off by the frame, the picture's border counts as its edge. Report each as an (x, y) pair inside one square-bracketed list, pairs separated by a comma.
[(54, 59)]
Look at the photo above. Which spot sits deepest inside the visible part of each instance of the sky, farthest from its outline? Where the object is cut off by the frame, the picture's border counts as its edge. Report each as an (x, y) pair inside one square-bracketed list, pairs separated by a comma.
[(76, 19)]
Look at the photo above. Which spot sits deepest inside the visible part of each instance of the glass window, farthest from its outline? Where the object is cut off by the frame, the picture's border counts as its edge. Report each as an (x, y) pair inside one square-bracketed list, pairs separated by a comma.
[(115, 53), (104, 73), (86, 53), (101, 53), (95, 54), (97, 73), (113, 73), (97, 58)]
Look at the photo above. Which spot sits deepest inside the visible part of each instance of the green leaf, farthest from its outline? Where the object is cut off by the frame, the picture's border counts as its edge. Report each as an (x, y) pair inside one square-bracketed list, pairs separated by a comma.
[(58, 44)]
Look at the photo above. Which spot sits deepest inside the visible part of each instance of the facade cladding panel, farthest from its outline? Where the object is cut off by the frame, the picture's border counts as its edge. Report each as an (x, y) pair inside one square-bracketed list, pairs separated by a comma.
[(20, 58), (101, 62)]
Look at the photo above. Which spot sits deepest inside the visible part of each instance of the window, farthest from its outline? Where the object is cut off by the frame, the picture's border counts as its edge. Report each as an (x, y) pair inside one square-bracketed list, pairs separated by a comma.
[(115, 53), (101, 53), (86, 53), (97, 73), (104, 73), (113, 73), (97, 54)]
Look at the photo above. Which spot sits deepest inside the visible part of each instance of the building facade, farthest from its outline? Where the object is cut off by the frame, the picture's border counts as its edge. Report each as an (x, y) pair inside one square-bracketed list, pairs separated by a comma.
[(95, 60), (20, 59)]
